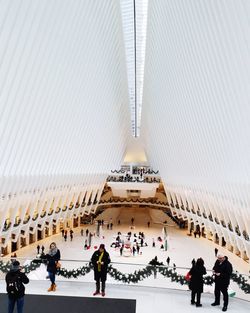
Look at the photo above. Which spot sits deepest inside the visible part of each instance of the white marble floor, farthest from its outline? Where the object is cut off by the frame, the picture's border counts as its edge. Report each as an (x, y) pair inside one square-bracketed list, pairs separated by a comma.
[(182, 249), (148, 299)]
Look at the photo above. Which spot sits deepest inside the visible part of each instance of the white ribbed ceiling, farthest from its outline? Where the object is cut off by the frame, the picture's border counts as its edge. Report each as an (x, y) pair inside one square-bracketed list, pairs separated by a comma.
[(63, 87), (64, 101), (197, 96)]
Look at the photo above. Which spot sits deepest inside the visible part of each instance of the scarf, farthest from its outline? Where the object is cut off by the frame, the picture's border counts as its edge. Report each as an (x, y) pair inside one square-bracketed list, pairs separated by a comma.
[(99, 261), (53, 252)]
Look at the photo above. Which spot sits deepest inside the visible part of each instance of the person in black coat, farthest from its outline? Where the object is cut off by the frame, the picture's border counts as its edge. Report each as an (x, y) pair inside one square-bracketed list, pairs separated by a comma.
[(52, 257), (196, 281), (155, 263), (100, 260), (15, 288), (222, 271)]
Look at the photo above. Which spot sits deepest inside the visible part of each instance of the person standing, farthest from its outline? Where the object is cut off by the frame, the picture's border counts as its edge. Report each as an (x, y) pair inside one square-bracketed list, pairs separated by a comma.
[(196, 281), (155, 263), (121, 250), (71, 234), (215, 252), (15, 281), (90, 238), (168, 260), (38, 249), (222, 271), (62, 233), (100, 260), (82, 232), (52, 257), (42, 249)]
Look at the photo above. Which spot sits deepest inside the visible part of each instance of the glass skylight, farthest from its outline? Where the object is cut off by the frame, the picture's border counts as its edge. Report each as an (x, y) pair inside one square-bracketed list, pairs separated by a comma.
[(134, 19)]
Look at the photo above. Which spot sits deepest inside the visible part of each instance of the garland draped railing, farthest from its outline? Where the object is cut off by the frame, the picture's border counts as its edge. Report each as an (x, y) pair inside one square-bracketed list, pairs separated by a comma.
[(135, 277)]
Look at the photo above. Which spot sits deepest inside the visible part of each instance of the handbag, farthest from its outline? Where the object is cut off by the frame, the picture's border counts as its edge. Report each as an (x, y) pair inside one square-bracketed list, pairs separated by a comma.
[(58, 265), (187, 276)]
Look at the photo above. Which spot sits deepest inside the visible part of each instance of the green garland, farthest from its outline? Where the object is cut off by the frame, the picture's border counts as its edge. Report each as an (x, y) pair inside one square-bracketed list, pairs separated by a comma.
[(241, 281), (134, 278), (5, 267), (74, 273)]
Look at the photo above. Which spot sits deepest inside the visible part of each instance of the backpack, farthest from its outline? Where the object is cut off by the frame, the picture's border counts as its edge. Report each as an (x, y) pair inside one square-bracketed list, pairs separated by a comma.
[(14, 285)]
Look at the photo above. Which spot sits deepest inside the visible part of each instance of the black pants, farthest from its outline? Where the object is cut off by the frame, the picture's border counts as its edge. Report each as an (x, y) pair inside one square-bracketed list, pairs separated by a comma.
[(221, 289), (98, 285), (198, 297)]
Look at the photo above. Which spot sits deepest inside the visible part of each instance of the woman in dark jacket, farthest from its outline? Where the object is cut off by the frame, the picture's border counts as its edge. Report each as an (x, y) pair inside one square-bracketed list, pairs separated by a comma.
[(100, 260), (196, 281), (52, 259)]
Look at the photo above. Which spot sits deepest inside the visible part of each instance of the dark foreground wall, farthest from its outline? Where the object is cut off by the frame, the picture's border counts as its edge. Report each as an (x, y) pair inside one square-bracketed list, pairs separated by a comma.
[(61, 304)]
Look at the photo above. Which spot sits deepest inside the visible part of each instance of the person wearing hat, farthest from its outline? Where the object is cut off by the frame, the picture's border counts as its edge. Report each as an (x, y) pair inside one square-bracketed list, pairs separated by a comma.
[(100, 260), (15, 281)]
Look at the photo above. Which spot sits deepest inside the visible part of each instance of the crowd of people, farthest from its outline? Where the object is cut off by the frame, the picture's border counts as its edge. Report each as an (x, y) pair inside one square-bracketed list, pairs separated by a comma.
[(16, 279)]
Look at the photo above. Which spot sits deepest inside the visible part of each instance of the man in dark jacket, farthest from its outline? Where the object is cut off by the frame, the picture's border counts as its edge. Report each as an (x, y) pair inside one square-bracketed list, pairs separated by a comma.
[(15, 288), (222, 271), (100, 260)]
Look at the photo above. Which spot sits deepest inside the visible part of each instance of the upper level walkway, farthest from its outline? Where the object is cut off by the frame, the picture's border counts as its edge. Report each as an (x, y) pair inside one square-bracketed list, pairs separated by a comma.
[(148, 299)]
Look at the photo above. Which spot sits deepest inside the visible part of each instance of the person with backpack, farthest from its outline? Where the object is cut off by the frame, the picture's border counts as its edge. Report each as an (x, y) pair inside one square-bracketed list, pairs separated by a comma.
[(53, 257), (15, 281)]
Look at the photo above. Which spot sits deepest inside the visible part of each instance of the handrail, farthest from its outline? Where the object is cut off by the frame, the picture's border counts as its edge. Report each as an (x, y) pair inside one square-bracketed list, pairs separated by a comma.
[(32, 258)]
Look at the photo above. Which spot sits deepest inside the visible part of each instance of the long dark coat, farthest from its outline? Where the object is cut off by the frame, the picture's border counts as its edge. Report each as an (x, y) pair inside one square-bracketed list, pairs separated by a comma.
[(196, 281), (225, 269), (104, 268), (52, 260)]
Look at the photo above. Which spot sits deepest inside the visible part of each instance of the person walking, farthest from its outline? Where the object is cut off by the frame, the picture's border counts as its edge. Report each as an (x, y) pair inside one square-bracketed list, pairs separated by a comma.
[(196, 281), (38, 249), (100, 260), (53, 257), (15, 280), (222, 271)]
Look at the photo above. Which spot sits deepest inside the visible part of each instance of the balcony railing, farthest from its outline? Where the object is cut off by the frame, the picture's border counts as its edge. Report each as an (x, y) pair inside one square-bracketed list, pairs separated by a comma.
[(126, 273)]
